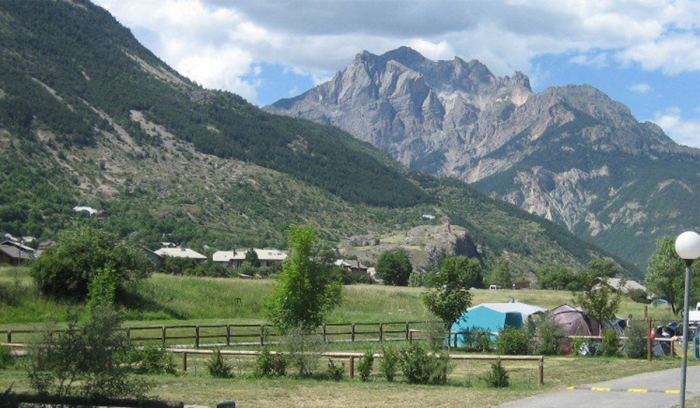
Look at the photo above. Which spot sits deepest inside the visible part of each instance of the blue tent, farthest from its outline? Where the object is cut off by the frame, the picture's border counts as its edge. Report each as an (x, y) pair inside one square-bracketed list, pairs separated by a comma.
[(492, 317)]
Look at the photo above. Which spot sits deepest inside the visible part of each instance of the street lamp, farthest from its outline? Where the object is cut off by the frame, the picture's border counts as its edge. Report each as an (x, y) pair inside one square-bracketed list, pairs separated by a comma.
[(688, 248)]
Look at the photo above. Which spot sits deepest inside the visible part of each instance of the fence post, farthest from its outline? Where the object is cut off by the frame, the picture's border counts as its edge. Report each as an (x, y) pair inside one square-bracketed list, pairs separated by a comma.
[(228, 334), (9, 336), (352, 333), (262, 334), (352, 366), (541, 373), (410, 337), (649, 342), (163, 335), (128, 333), (381, 332), (407, 329), (325, 339), (184, 361), (196, 336)]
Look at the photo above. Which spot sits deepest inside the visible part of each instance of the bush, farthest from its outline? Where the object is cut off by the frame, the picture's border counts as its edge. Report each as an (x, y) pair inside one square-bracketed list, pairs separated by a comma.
[(548, 336), (421, 279), (89, 359), (389, 363), (498, 376), (513, 342), (335, 372), (7, 360), (582, 347), (152, 360), (270, 365), (303, 351), (477, 340), (364, 367), (610, 346), (217, 366), (639, 296), (636, 344), (66, 270), (419, 367), (394, 267)]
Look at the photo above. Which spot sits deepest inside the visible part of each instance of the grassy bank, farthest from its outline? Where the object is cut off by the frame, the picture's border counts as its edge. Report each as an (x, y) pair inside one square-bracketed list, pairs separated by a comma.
[(170, 299)]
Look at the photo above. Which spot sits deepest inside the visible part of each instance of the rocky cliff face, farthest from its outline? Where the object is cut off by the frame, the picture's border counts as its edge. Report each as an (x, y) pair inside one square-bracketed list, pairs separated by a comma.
[(570, 154)]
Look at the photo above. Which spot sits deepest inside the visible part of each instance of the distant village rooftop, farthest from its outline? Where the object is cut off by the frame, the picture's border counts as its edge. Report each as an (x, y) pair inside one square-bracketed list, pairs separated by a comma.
[(181, 253)]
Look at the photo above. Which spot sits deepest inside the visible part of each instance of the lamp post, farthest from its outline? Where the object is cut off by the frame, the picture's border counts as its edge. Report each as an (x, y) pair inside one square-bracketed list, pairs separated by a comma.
[(688, 248)]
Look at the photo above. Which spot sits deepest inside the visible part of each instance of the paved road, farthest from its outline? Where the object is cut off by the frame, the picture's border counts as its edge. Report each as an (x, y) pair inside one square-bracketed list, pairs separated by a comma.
[(656, 381)]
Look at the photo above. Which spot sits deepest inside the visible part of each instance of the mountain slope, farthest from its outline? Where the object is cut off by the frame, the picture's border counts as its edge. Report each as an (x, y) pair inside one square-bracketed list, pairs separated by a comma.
[(569, 154), (90, 117)]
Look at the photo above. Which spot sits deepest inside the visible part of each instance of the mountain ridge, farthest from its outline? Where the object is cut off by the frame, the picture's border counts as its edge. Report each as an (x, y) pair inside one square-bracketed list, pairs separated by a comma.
[(456, 119)]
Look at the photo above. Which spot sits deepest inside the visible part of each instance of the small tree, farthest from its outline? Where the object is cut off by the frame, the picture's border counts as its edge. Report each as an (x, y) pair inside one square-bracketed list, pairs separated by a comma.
[(666, 275), (102, 289), (89, 359), (603, 268), (502, 274), (451, 297), (560, 277), (251, 258), (307, 289), (394, 267), (67, 269), (599, 303)]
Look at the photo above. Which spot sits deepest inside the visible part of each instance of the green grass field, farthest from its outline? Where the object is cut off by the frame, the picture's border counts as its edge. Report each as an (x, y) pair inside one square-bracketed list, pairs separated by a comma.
[(167, 299)]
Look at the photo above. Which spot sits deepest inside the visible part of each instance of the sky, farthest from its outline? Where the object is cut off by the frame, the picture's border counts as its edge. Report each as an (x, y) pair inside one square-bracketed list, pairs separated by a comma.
[(643, 53)]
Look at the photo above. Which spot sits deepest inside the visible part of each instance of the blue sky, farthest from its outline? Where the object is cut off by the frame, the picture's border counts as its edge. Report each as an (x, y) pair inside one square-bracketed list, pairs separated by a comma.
[(643, 53)]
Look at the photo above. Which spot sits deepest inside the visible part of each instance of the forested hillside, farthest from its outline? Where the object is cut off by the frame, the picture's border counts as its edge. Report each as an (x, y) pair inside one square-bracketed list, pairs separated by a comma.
[(90, 117)]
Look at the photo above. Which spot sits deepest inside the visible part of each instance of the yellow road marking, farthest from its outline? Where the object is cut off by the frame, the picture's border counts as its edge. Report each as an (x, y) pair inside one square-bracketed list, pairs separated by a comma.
[(570, 388), (637, 390), (599, 389), (673, 391)]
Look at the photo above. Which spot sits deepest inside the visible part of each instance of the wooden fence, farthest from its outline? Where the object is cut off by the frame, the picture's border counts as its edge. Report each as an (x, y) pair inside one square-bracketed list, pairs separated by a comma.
[(236, 334), (90, 402), (352, 356)]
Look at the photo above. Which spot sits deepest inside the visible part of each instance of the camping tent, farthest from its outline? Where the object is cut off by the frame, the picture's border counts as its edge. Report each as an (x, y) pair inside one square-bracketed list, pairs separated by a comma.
[(492, 317), (573, 320)]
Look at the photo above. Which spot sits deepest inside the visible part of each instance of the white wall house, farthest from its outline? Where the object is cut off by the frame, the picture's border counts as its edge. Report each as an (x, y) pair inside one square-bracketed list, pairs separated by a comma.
[(181, 253), (235, 258)]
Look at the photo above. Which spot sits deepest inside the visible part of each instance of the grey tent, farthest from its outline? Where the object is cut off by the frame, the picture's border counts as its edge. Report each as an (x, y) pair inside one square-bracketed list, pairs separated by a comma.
[(574, 322)]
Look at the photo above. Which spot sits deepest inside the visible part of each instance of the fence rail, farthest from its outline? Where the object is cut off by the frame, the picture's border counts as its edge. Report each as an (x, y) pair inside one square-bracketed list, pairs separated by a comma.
[(257, 334), (92, 402)]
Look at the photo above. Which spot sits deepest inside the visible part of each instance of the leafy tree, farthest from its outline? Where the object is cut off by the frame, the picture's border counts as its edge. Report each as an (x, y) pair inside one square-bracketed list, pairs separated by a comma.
[(307, 288), (451, 296), (89, 359), (603, 268), (600, 303), (666, 275), (502, 274), (67, 269), (558, 277), (251, 257), (102, 289), (394, 267)]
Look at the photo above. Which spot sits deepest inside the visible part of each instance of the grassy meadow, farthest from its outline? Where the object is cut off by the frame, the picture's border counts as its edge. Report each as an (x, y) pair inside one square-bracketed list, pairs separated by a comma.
[(167, 299)]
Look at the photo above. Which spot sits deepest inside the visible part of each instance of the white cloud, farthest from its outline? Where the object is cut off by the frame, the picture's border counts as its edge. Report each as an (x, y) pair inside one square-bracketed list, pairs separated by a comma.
[(640, 88), (219, 42), (683, 131)]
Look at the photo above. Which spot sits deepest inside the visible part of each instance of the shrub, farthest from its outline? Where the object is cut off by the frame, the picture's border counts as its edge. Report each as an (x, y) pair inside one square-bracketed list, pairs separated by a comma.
[(7, 360), (498, 376), (548, 336), (269, 365), (639, 296), (364, 367), (67, 269), (389, 363), (217, 366), (335, 372), (394, 267), (89, 359), (610, 346), (513, 342), (303, 351), (478, 340), (421, 279), (636, 344), (152, 360), (419, 367)]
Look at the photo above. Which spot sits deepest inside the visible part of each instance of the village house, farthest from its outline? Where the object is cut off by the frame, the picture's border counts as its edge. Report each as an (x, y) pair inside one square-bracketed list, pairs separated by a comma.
[(181, 253), (14, 253), (616, 284), (351, 266), (235, 258)]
